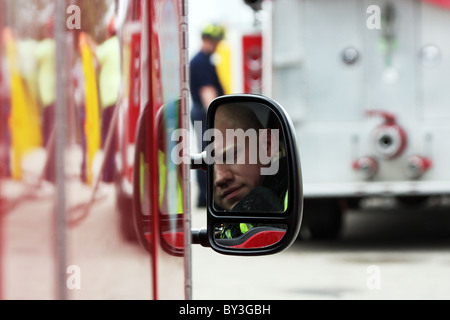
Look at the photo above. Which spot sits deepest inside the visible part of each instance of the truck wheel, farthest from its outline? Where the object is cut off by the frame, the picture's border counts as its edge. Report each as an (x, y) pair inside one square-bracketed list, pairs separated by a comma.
[(322, 219)]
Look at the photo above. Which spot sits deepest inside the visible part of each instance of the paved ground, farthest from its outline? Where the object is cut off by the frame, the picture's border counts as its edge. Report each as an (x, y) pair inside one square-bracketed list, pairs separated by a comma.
[(382, 255)]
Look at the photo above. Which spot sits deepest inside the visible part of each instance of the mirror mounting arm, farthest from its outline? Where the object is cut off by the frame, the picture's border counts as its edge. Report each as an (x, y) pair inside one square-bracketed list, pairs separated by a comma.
[(198, 161), (200, 237)]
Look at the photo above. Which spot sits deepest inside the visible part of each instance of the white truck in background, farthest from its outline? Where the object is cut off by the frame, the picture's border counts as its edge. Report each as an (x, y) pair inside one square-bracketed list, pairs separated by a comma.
[(367, 84)]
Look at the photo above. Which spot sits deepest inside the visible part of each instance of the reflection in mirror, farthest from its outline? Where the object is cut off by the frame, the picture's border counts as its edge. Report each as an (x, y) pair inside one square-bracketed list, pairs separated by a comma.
[(171, 177), (248, 235), (250, 170)]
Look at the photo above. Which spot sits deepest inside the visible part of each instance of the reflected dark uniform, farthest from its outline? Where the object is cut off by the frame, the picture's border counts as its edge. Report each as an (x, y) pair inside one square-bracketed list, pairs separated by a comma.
[(271, 196)]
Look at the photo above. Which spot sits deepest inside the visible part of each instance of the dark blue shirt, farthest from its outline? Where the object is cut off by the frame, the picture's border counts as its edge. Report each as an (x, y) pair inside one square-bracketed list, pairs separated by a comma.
[(203, 73)]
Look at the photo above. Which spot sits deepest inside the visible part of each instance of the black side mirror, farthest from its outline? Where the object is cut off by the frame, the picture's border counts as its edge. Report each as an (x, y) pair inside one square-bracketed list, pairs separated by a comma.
[(255, 198)]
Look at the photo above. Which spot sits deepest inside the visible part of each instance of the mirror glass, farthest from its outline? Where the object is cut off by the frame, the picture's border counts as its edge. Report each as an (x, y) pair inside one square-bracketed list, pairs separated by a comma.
[(248, 235), (249, 156)]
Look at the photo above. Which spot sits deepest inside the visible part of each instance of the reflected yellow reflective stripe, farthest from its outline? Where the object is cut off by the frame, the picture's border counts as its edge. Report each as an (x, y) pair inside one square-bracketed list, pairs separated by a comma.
[(24, 120), (141, 175), (286, 201), (92, 121), (162, 185), (162, 178), (223, 66), (244, 227)]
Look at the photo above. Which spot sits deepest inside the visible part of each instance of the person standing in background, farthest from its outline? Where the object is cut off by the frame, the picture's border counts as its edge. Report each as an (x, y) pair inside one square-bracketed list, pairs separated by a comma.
[(108, 58), (46, 55), (23, 119), (108, 55), (205, 86), (79, 85)]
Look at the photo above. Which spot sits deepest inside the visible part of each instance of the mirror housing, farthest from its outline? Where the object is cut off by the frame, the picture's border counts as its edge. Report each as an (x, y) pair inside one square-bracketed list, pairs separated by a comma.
[(267, 230)]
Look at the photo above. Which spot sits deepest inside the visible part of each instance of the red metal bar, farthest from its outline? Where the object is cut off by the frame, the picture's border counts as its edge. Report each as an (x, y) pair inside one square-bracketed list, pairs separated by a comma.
[(2, 25)]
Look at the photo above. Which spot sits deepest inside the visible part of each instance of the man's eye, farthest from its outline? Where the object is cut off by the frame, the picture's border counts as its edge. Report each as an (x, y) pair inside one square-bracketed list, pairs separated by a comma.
[(221, 156)]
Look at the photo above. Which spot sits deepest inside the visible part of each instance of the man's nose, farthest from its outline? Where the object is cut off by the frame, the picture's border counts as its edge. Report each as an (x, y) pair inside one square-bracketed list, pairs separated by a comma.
[(223, 175)]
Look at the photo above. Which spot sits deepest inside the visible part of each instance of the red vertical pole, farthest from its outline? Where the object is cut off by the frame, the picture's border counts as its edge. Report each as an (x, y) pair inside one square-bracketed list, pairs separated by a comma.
[(60, 142), (2, 25), (150, 148), (1, 235), (252, 62)]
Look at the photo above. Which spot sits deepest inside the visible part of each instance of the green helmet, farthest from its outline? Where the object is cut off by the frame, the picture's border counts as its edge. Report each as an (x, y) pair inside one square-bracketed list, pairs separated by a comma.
[(213, 31)]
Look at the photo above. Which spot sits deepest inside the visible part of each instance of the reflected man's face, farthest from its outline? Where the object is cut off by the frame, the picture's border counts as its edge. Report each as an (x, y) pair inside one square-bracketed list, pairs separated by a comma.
[(234, 176), (233, 181)]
